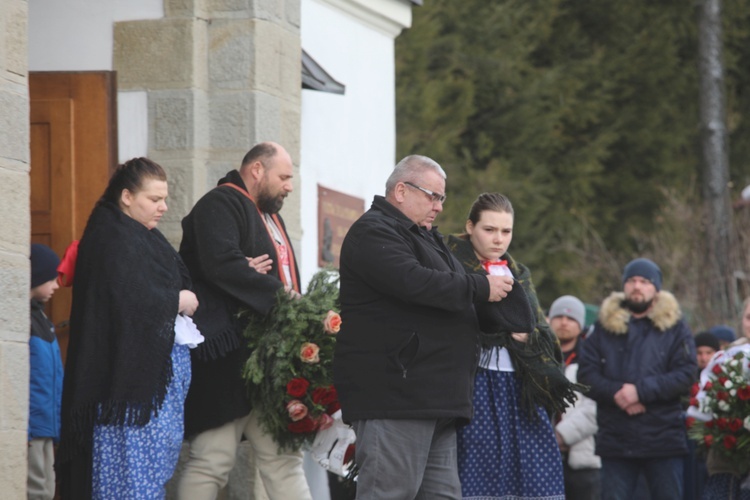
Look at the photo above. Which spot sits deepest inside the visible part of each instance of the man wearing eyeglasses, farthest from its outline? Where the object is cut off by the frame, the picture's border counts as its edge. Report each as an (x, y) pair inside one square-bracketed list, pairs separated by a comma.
[(407, 350)]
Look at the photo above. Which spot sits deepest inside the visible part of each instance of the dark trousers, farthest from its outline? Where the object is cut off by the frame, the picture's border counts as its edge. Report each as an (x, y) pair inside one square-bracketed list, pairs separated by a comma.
[(663, 475), (582, 484), (407, 459)]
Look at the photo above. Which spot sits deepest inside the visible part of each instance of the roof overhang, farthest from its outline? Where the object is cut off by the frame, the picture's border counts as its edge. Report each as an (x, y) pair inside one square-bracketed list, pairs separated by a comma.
[(314, 77)]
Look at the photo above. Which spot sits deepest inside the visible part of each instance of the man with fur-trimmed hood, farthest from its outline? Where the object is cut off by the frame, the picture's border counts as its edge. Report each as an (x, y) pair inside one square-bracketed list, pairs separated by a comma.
[(639, 361)]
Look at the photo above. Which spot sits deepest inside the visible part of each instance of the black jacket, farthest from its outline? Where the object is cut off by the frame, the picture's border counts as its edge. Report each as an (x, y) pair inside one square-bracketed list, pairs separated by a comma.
[(656, 354), (408, 344), (221, 230)]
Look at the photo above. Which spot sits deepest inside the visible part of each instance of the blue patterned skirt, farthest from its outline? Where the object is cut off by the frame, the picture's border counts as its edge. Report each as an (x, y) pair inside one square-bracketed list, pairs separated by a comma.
[(725, 487), (135, 463), (503, 454)]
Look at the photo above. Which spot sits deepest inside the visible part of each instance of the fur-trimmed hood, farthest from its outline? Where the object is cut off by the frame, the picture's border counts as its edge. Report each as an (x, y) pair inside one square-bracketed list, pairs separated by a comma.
[(664, 314)]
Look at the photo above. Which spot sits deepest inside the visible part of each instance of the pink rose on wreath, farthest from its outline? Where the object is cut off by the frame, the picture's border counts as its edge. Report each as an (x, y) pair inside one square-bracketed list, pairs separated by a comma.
[(332, 323), (297, 387), (297, 410), (308, 353), (325, 421)]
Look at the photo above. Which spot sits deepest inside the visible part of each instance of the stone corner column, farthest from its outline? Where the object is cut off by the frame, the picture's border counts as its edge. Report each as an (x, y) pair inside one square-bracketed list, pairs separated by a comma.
[(14, 247)]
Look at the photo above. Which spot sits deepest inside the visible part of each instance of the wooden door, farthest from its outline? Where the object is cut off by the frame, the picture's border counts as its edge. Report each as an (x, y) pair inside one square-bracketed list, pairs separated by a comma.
[(73, 151)]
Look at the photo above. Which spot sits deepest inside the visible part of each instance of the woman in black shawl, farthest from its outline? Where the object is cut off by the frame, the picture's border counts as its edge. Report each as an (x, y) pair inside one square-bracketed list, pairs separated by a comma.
[(126, 377), (509, 449)]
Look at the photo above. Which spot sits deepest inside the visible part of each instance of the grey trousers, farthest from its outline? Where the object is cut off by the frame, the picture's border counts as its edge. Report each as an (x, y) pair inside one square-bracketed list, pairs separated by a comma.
[(407, 459), (41, 479)]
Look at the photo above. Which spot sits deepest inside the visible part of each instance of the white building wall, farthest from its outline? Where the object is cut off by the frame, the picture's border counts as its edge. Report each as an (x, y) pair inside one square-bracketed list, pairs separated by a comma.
[(348, 142), (77, 35)]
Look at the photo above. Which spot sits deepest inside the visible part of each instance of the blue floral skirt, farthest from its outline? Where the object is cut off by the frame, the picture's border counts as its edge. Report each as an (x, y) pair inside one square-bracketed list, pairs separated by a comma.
[(503, 454), (725, 487), (135, 463)]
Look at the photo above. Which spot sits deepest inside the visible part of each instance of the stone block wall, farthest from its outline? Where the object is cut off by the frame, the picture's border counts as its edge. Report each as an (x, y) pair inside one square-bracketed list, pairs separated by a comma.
[(221, 76), (15, 231)]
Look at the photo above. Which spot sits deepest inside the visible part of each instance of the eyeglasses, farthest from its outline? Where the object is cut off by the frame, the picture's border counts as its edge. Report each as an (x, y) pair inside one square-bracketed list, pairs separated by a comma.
[(433, 195)]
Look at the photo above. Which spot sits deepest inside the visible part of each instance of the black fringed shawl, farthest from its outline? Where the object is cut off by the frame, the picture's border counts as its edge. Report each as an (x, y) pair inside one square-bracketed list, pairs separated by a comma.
[(537, 362), (125, 300)]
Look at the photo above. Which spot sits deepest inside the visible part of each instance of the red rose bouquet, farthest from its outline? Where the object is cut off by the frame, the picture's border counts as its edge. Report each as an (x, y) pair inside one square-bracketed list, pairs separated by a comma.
[(290, 370), (719, 413)]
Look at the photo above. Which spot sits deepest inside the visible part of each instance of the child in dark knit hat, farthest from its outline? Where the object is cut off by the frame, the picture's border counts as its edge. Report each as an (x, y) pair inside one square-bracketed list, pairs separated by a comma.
[(46, 376), (706, 345)]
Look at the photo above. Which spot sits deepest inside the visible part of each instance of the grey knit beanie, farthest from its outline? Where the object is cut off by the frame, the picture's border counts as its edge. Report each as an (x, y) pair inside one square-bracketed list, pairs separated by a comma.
[(569, 306)]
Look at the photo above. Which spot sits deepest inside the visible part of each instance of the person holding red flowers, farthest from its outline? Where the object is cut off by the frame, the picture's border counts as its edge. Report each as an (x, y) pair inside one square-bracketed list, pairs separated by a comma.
[(719, 422)]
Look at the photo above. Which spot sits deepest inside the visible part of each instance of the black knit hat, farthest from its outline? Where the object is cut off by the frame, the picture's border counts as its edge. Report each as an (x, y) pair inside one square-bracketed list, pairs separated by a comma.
[(706, 339), (44, 262), (645, 269)]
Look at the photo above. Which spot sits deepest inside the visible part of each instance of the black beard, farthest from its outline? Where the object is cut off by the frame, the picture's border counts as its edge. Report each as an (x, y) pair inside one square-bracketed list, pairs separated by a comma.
[(636, 307), (270, 204)]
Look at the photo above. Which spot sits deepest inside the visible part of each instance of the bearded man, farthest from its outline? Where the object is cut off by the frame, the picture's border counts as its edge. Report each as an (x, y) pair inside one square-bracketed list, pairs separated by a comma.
[(639, 361), (235, 245)]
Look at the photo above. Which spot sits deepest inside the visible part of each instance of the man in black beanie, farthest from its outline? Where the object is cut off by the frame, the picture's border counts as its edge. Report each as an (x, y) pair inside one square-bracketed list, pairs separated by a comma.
[(639, 361)]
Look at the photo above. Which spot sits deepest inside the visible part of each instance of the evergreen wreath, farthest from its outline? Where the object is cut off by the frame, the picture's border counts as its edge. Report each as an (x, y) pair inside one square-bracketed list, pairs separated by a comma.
[(290, 370)]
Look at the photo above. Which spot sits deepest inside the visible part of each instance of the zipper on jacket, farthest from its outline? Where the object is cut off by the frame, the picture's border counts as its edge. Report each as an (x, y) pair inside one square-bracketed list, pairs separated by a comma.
[(404, 369)]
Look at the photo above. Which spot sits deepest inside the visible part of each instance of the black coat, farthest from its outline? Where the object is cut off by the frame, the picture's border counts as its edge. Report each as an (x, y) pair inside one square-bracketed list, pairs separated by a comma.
[(656, 354), (221, 230), (408, 344)]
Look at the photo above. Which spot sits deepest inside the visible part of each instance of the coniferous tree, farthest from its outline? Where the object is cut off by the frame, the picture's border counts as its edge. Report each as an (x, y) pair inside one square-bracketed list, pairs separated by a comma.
[(582, 111)]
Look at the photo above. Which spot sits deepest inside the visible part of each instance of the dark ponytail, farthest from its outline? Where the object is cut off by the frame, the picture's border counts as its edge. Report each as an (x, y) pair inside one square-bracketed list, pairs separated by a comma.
[(131, 176), (494, 202)]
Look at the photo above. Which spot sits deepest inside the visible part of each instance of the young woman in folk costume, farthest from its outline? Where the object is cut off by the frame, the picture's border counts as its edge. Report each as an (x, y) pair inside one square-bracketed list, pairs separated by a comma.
[(128, 363), (509, 449)]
